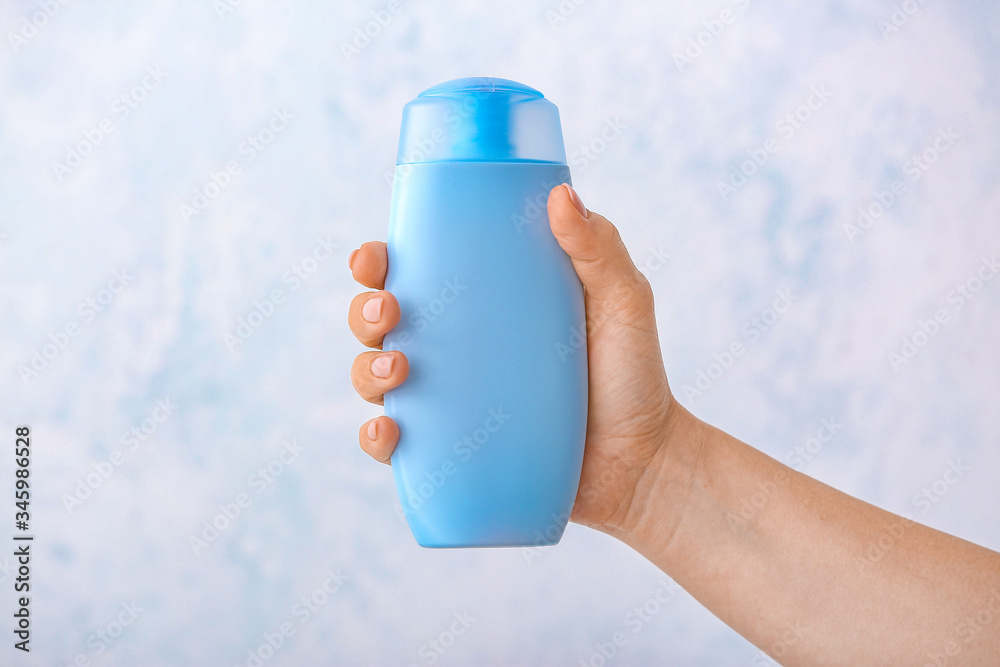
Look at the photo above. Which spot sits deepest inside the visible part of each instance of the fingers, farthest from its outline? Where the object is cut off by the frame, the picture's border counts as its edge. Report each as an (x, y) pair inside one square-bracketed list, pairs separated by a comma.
[(369, 263), (378, 438), (372, 315), (600, 258), (375, 373)]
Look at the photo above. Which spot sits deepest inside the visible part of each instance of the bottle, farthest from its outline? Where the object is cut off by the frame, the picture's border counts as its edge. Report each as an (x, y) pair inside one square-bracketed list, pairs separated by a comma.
[(493, 415)]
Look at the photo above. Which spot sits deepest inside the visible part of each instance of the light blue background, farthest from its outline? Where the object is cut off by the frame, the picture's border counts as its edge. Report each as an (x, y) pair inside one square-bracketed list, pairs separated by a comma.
[(324, 176)]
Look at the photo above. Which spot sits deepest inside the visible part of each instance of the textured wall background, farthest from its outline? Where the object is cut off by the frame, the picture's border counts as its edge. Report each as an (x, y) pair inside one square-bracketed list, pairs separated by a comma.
[(116, 116)]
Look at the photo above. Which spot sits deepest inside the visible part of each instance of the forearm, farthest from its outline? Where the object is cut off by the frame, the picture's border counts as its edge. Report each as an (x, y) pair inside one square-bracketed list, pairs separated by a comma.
[(807, 573)]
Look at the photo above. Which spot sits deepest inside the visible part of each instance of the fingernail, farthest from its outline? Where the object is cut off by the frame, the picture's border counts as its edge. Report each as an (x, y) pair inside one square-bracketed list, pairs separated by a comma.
[(576, 200), (350, 260), (372, 310), (382, 366), (373, 430)]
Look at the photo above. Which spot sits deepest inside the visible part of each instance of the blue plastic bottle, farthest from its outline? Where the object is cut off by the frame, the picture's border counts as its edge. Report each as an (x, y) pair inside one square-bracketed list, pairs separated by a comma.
[(493, 415)]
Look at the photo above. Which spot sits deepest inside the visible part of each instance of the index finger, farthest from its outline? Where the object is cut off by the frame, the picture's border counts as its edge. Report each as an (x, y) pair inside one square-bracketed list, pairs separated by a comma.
[(369, 263)]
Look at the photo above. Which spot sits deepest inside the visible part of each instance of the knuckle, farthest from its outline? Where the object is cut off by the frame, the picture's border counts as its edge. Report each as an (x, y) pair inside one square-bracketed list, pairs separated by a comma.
[(361, 376), (643, 288)]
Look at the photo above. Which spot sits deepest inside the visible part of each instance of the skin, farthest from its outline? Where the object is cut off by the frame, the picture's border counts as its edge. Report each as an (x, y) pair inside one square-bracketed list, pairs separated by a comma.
[(808, 574)]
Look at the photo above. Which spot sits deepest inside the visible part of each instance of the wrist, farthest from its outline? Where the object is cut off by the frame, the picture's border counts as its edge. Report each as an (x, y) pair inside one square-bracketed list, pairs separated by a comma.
[(664, 489)]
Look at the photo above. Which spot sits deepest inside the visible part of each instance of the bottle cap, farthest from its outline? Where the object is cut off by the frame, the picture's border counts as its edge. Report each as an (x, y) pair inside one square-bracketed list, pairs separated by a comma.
[(480, 119)]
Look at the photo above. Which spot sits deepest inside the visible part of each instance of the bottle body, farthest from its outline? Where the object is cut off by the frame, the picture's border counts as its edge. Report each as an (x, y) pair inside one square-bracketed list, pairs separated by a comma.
[(493, 415)]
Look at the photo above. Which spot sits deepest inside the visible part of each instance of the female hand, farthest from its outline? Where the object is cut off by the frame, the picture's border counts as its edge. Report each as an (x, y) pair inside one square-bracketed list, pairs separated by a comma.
[(631, 410)]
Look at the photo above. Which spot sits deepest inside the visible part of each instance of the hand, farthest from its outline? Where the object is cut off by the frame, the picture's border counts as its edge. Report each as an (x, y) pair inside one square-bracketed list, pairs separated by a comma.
[(631, 410), (806, 574)]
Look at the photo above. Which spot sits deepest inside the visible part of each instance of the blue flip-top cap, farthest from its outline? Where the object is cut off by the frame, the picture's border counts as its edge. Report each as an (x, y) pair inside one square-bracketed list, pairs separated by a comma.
[(480, 119)]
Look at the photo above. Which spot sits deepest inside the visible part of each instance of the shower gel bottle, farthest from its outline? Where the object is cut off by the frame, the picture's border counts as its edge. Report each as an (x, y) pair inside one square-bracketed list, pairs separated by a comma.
[(493, 415)]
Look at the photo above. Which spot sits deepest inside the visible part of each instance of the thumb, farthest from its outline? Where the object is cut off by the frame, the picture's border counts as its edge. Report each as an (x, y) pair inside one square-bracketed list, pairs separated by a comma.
[(600, 258)]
